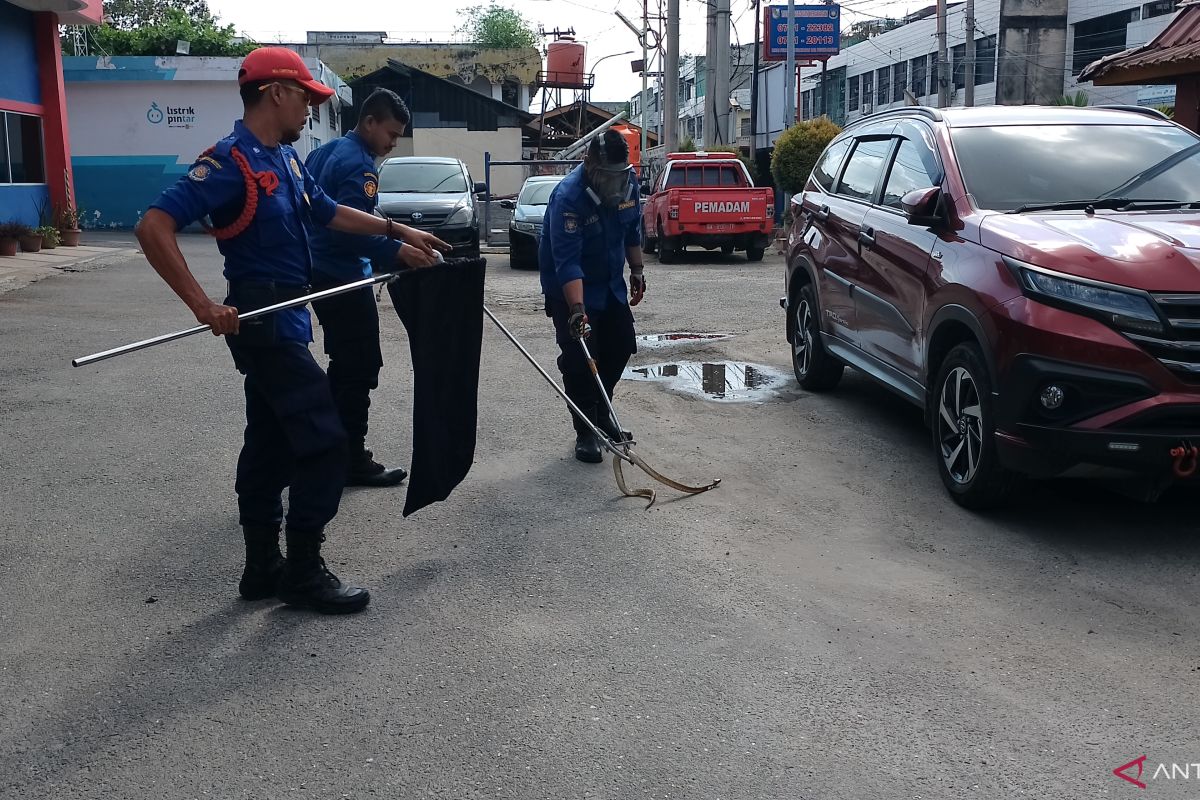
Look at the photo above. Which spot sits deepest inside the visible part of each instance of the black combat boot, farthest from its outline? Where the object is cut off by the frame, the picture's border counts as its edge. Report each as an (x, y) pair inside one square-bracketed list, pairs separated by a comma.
[(366, 471), (307, 583), (587, 448), (264, 562)]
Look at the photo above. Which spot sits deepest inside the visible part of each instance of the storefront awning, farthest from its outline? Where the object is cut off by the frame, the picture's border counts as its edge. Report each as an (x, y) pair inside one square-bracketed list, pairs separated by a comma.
[(1172, 54), (70, 12)]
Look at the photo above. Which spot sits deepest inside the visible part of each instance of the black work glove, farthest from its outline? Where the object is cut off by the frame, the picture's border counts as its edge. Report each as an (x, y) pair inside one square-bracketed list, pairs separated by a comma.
[(577, 323), (637, 287)]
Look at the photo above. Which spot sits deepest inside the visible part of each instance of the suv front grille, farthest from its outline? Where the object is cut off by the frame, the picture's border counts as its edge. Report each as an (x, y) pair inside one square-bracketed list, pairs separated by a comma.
[(1179, 347)]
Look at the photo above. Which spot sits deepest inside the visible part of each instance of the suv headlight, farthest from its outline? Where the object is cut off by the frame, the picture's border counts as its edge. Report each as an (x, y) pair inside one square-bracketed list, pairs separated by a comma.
[(1123, 308), (460, 216), (524, 227)]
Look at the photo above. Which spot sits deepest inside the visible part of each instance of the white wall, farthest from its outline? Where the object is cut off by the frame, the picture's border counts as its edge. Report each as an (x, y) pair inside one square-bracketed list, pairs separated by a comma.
[(115, 118), (469, 146)]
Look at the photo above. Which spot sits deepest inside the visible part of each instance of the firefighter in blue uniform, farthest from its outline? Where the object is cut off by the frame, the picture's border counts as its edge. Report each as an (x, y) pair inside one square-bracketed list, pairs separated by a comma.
[(593, 226), (345, 169), (262, 204)]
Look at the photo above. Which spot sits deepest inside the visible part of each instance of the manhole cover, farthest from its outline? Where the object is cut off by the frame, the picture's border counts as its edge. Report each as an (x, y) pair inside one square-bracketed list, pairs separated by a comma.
[(718, 380), (654, 341)]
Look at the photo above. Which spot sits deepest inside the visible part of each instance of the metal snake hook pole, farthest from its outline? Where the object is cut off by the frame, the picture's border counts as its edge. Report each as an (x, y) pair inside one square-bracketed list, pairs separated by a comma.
[(621, 452), (627, 445), (385, 277)]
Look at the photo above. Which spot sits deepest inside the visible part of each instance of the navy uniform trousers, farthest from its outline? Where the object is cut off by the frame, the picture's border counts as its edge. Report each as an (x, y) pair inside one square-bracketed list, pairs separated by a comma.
[(293, 437), (351, 325), (612, 343)]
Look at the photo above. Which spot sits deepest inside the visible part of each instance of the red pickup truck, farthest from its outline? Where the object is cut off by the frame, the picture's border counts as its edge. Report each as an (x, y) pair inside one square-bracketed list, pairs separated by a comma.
[(706, 199)]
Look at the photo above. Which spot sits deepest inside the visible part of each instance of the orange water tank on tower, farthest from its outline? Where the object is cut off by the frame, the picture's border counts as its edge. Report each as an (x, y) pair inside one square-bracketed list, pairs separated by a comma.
[(565, 64)]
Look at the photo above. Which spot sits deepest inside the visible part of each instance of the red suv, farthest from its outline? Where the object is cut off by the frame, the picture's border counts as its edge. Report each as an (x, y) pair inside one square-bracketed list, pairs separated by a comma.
[(1029, 276)]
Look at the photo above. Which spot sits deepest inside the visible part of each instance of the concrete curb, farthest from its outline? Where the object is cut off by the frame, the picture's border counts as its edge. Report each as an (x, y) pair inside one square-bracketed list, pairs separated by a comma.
[(19, 271)]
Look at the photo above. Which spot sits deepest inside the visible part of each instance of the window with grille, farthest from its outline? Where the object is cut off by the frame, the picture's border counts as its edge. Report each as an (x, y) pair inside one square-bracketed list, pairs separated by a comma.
[(882, 84), (985, 60), (899, 80), (918, 83), (958, 58)]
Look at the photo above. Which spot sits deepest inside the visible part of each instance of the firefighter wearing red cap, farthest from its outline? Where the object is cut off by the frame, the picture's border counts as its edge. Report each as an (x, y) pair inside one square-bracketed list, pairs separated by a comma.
[(263, 205)]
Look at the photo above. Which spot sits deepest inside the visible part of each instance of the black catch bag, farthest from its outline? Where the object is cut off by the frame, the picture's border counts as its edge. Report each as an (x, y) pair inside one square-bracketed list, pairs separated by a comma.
[(442, 308)]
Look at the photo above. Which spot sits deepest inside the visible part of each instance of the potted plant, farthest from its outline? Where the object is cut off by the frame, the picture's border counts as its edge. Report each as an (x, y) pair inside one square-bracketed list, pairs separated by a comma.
[(67, 225), (31, 240), (50, 236), (67, 217), (10, 234)]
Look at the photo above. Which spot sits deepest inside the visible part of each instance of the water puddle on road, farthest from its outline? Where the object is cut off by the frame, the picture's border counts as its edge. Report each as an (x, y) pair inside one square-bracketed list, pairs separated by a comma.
[(724, 381), (653, 341)]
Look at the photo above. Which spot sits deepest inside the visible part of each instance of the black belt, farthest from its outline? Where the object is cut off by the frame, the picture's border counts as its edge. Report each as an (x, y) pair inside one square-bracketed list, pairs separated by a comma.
[(267, 291)]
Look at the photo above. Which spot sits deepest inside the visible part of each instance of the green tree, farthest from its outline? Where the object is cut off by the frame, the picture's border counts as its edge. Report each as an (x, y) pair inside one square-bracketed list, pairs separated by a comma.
[(498, 27), (206, 37), (133, 14), (797, 150)]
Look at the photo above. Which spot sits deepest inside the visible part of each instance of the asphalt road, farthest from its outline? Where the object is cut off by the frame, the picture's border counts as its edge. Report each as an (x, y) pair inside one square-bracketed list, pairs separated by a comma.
[(826, 625)]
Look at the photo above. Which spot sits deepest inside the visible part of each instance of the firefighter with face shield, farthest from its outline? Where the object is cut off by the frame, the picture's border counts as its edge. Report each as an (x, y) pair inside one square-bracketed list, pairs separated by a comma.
[(593, 227)]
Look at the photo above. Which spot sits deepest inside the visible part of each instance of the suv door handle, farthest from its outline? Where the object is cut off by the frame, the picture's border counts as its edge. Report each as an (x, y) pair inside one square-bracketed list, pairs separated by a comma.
[(822, 213), (866, 237)]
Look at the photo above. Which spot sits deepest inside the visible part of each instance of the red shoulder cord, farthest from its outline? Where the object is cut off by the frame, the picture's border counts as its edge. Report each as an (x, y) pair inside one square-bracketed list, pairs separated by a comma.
[(267, 179)]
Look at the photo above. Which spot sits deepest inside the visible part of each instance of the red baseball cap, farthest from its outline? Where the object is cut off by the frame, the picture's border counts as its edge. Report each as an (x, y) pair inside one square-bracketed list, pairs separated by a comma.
[(280, 63)]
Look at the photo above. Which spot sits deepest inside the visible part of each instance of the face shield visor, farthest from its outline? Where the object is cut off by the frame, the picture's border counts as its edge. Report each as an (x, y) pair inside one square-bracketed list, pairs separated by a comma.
[(611, 183)]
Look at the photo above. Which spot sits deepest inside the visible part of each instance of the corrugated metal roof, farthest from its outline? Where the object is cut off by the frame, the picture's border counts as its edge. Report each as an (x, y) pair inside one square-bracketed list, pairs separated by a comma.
[(1176, 50)]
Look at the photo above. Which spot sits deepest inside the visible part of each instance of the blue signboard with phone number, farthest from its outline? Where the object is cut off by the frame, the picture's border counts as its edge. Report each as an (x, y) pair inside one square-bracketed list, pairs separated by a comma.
[(817, 31)]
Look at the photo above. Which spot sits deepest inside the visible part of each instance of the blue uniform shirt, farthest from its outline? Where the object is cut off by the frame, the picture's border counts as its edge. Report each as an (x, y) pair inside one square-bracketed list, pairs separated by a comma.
[(274, 247), (582, 239), (345, 169)]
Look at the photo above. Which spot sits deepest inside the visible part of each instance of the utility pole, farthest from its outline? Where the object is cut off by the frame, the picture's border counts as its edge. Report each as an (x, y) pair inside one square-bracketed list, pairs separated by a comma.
[(642, 34), (944, 73), (671, 80), (754, 87), (720, 89), (643, 119), (969, 76), (710, 73), (789, 72)]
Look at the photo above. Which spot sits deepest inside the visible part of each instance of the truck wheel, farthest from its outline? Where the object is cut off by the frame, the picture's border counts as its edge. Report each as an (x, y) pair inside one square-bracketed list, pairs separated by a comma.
[(726, 249), (666, 248), (755, 253)]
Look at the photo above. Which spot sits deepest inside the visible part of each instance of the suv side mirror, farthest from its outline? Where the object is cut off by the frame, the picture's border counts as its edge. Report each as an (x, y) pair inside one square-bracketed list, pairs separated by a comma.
[(923, 206), (508, 204), (480, 188)]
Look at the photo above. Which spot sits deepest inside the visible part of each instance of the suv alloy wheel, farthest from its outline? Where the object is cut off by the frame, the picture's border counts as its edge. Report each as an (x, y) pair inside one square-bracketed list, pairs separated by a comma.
[(816, 369), (964, 430)]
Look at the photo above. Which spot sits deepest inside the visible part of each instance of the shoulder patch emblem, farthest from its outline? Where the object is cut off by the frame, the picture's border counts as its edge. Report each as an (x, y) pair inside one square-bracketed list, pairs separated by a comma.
[(570, 223), (199, 172), (370, 188), (211, 161), (626, 204), (296, 168)]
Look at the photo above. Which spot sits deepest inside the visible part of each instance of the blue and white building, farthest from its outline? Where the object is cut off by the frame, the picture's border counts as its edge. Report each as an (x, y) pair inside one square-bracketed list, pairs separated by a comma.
[(138, 122)]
